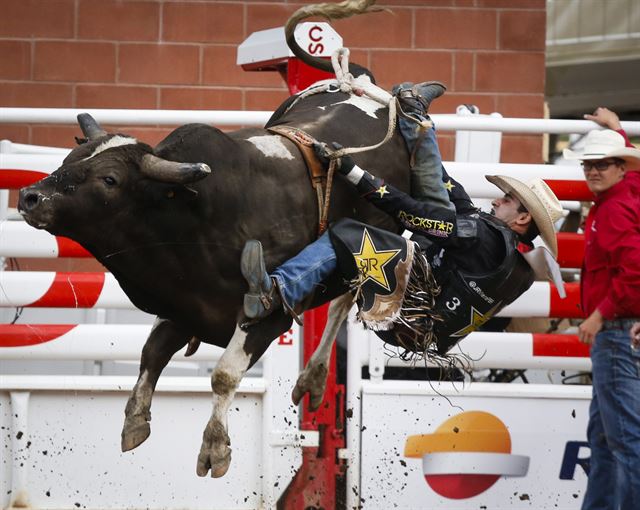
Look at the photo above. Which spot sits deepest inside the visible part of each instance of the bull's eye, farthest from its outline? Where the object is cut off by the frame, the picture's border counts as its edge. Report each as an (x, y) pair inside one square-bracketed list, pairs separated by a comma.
[(109, 181)]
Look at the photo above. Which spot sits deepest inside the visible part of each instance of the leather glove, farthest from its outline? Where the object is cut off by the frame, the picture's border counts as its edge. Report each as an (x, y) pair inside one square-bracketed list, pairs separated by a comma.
[(344, 165)]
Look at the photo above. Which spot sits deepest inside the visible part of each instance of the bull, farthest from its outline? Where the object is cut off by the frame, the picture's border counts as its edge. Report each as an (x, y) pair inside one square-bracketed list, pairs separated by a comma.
[(170, 221)]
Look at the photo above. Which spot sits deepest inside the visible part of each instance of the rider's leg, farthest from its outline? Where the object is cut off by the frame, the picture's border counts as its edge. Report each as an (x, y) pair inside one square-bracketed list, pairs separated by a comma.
[(291, 282), (426, 162)]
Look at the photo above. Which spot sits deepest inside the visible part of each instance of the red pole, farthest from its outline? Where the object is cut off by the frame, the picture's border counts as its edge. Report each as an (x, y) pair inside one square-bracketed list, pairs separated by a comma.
[(316, 482)]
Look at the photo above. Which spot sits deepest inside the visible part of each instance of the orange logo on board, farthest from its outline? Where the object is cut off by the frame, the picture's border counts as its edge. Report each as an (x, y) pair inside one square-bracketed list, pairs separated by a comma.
[(466, 455)]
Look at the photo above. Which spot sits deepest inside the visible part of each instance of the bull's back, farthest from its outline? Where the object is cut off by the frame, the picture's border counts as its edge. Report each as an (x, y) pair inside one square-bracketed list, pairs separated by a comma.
[(338, 118)]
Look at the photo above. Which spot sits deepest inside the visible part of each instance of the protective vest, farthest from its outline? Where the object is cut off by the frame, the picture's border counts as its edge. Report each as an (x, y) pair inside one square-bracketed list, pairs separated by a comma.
[(467, 301)]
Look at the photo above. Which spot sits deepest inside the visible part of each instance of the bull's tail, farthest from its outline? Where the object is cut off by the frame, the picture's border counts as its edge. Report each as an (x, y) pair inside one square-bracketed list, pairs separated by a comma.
[(329, 11)]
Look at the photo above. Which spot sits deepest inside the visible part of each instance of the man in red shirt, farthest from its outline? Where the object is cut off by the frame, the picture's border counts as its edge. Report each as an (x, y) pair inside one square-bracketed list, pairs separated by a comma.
[(610, 288)]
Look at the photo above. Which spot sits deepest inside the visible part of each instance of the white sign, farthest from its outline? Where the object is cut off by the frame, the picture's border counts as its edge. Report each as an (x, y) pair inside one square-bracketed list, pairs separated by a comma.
[(473, 448), (268, 47)]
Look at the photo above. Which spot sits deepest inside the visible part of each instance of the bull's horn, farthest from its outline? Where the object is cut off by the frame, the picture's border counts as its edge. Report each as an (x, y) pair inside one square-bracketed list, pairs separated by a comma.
[(172, 171), (90, 128)]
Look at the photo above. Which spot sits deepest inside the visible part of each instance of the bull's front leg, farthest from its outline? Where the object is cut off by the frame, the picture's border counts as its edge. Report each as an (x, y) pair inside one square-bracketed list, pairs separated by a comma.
[(165, 339), (313, 379), (244, 349)]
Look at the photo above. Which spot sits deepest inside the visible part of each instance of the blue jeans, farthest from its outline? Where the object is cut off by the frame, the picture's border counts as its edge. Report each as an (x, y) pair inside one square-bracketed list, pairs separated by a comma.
[(427, 184), (299, 275), (614, 424)]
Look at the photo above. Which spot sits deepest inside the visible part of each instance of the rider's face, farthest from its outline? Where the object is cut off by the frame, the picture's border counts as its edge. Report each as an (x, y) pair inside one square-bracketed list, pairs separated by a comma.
[(506, 209)]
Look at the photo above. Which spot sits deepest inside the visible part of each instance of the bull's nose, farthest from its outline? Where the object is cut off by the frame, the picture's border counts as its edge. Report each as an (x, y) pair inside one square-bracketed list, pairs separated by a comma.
[(28, 200)]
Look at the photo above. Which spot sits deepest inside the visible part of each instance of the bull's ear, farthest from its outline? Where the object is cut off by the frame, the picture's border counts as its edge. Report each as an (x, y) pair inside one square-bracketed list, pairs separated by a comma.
[(172, 171), (90, 128)]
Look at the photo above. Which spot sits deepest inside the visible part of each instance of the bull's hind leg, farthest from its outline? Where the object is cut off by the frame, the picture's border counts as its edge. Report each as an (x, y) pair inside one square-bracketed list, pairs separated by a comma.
[(313, 379), (165, 339), (244, 349)]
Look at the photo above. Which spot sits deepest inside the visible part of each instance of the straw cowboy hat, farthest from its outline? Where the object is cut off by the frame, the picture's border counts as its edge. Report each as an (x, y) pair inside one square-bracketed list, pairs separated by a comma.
[(540, 201), (601, 144)]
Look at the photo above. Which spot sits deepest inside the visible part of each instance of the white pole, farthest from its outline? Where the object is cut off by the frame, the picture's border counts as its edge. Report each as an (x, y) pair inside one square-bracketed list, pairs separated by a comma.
[(20, 450), (449, 122), (354, 405), (116, 342), (133, 117)]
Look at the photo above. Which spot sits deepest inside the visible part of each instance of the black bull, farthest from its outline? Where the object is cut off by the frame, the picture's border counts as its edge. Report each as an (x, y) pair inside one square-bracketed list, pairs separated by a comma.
[(173, 240)]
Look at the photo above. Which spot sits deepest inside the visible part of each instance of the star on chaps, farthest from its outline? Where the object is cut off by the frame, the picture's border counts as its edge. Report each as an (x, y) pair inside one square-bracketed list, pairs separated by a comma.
[(477, 321), (449, 185), (371, 262)]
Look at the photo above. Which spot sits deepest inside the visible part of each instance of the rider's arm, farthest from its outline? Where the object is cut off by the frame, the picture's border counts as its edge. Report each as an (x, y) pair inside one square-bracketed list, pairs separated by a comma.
[(436, 222)]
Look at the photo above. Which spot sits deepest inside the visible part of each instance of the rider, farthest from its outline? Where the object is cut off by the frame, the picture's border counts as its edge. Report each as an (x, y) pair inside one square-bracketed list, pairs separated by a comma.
[(460, 268)]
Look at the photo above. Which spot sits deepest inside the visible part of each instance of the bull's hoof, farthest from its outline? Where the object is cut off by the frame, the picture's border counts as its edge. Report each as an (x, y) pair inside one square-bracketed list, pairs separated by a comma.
[(134, 433), (312, 380), (215, 453), (218, 467)]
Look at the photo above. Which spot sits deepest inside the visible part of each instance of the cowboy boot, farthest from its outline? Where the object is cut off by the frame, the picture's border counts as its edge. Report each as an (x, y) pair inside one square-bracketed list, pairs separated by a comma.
[(263, 296), (416, 99)]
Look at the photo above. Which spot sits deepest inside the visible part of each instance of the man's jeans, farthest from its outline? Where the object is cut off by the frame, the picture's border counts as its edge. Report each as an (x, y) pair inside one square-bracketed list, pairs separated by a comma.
[(298, 276), (427, 184), (614, 424)]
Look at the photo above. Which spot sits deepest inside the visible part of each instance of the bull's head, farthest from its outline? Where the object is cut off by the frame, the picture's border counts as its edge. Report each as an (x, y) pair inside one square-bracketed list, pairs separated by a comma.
[(101, 177)]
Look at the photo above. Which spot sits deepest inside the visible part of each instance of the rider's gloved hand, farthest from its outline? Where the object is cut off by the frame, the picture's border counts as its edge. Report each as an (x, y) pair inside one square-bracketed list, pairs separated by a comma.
[(344, 165)]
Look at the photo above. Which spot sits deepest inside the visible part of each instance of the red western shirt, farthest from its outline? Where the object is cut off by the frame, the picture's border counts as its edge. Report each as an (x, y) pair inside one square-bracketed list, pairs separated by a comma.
[(610, 279)]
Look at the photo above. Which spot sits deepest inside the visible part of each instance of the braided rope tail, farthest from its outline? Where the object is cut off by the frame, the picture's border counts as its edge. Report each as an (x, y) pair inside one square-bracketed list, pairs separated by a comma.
[(329, 11)]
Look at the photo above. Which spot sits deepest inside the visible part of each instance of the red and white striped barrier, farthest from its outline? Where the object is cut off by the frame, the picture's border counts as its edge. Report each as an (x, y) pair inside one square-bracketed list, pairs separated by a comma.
[(18, 170), (567, 181), (121, 342), (513, 351), (18, 239), (117, 342), (61, 290), (101, 290), (570, 249), (124, 342), (9, 147), (525, 351), (542, 300), (73, 341)]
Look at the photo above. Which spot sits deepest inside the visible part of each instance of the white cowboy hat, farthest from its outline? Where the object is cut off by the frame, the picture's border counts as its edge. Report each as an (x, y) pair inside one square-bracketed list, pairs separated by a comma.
[(540, 201), (601, 144)]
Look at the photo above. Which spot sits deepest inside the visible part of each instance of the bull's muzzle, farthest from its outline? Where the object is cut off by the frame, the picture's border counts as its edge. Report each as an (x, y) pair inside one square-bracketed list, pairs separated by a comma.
[(30, 207), (29, 200)]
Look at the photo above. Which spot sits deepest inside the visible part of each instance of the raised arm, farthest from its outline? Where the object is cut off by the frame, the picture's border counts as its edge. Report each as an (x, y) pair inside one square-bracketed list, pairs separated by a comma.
[(608, 119), (423, 217)]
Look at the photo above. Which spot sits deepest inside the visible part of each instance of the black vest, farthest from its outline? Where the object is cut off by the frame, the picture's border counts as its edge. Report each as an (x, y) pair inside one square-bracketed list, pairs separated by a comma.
[(467, 300)]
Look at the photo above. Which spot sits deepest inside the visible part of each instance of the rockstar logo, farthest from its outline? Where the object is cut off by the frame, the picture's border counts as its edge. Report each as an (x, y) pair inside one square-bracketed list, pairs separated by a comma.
[(477, 321), (371, 262), (449, 186), (382, 190)]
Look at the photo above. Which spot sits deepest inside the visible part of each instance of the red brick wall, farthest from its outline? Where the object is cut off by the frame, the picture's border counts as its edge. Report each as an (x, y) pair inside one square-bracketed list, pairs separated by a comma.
[(181, 55)]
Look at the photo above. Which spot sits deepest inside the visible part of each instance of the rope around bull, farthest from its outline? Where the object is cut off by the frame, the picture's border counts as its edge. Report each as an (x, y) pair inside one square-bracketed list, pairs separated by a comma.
[(349, 85)]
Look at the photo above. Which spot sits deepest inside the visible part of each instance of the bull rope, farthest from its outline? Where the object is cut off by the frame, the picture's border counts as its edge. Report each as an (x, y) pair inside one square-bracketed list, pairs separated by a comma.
[(349, 85), (345, 82)]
